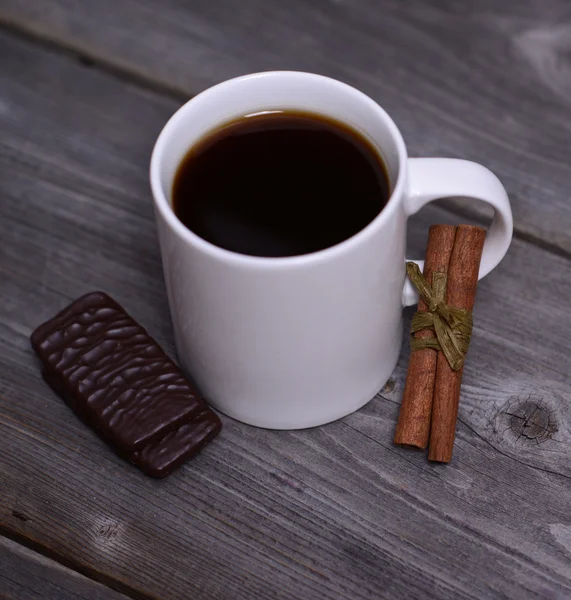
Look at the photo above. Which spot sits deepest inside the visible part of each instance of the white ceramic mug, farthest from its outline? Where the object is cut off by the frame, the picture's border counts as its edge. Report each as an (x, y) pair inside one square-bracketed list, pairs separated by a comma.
[(299, 341)]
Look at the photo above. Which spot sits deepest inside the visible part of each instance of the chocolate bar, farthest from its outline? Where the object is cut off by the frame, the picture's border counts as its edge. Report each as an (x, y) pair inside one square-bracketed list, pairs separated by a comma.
[(119, 381), (158, 459)]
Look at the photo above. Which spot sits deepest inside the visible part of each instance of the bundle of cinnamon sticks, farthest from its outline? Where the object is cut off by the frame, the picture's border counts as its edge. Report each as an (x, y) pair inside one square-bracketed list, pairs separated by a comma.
[(430, 400)]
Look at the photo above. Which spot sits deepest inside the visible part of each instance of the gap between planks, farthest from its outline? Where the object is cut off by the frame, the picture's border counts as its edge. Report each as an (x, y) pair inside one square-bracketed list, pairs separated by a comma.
[(91, 574)]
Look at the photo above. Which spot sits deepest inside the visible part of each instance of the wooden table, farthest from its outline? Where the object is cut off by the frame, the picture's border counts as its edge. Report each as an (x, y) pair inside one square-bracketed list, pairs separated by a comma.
[(337, 511)]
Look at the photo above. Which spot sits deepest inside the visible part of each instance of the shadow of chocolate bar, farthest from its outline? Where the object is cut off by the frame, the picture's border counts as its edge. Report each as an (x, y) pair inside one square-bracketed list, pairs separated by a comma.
[(120, 382)]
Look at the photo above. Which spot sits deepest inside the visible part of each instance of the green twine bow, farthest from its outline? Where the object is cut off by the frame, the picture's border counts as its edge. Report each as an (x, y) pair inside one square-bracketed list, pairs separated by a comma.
[(452, 326)]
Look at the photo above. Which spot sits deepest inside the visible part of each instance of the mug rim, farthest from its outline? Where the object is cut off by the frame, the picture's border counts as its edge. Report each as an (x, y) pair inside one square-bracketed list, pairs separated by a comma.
[(175, 224)]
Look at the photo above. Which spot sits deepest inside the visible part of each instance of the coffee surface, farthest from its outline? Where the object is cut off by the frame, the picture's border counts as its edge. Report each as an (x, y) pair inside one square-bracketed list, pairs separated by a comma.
[(280, 184)]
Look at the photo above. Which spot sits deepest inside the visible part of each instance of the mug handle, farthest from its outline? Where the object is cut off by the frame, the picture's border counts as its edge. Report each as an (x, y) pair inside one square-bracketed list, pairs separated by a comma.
[(433, 178)]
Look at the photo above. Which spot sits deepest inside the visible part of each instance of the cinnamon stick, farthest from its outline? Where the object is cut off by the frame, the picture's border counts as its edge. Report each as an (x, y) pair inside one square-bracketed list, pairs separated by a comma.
[(461, 292), (413, 426)]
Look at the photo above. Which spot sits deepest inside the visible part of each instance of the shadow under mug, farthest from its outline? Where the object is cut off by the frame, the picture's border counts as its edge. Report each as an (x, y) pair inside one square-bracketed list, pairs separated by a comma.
[(295, 342)]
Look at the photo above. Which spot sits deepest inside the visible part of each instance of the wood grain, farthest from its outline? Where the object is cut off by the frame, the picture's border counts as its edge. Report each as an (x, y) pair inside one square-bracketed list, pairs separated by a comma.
[(333, 512), (482, 80), (26, 575)]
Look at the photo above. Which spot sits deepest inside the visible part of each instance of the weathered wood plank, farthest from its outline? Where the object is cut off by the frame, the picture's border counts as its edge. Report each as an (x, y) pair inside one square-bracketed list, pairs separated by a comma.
[(333, 512), (25, 575), (483, 80)]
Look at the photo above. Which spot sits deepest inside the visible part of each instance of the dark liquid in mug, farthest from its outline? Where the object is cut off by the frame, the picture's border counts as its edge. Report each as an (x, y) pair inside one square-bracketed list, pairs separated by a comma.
[(280, 184)]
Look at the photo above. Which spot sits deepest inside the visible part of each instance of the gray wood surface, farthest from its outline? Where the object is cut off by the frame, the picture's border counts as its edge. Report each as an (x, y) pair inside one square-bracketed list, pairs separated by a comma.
[(484, 80), (27, 575), (332, 512)]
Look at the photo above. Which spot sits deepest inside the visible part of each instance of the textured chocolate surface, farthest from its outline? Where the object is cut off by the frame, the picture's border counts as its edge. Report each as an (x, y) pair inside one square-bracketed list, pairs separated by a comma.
[(120, 382), (161, 458)]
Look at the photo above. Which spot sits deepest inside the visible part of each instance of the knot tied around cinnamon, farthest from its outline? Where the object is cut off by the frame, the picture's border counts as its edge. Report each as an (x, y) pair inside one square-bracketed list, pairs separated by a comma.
[(452, 326)]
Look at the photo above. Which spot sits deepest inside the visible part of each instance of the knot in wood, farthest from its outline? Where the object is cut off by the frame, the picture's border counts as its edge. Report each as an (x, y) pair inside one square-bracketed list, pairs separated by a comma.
[(531, 422)]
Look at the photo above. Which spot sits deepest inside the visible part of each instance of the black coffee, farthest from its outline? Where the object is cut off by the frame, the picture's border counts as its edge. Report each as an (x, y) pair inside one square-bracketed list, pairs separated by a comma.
[(280, 184)]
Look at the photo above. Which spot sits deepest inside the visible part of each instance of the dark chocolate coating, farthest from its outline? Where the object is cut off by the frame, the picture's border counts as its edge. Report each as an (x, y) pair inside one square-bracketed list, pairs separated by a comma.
[(120, 382), (160, 458)]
